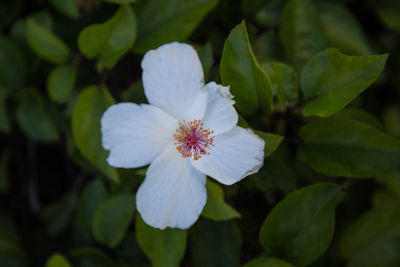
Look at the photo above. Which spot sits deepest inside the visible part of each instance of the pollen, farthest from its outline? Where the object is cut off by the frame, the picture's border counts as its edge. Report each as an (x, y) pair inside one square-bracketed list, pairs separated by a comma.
[(192, 140)]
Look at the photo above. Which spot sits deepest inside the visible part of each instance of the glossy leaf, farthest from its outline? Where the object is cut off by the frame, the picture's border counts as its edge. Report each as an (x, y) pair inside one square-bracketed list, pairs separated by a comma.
[(345, 147), (57, 260), (372, 240), (110, 40), (61, 82), (90, 106), (331, 80), (68, 8), (215, 244), (240, 69), (216, 208), (271, 262), (113, 218), (302, 32), (343, 29), (300, 228), (175, 21), (92, 196), (34, 119), (163, 247), (45, 43)]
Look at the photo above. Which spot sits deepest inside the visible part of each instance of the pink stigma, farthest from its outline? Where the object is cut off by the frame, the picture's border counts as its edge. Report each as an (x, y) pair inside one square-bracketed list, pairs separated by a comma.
[(192, 140)]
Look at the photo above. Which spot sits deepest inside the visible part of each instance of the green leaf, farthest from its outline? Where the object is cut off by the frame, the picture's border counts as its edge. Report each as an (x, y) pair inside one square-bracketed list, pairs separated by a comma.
[(8, 232), (392, 181), (45, 43), (331, 80), (34, 119), (302, 32), (57, 260), (163, 247), (270, 13), (57, 215), (109, 41), (68, 8), (113, 218), (120, 1), (391, 120), (300, 228), (275, 175), (215, 244), (388, 12), (4, 120), (272, 142), (61, 82), (91, 257), (91, 103), (373, 239), (92, 196), (206, 59), (12, 65), (129, 252), (175, 21), (283, 81), (359, 115), (12, 256), (345, 147), (216, 208), (342, 28), (261, 262), (239, 69)]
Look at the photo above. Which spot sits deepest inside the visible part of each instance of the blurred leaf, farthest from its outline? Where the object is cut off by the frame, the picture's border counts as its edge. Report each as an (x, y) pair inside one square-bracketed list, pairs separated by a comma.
[(68, 8), (92, 196), (275, 175), (4, 120), (388, 11), (272, 142), (359, 115), (57, 215), (45, 43), (216, 208), (57, 260), (12, 256), (12, 65), (271, 262), (61, 82), (92, 102), (34, 119), (175, 21), (300, 228), (391, 120), (268, 46), (283, 81), (345, 147), (113, 218), (302, 32), (109, 41), (4, 183), (129, 252), (343, 29), (239, 69), (120, 1), (332, 80), (8, 234), (373, 239), (135, 93), (215, 244), (8, 11), (163, 247), (207, 59), (392, 181), (91, 257), (270, 13)]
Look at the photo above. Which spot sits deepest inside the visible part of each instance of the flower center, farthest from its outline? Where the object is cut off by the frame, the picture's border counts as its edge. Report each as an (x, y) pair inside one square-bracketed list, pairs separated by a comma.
[(192, 140)]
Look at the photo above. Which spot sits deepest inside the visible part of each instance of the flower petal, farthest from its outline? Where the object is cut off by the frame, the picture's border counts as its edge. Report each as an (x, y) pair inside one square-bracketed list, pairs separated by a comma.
[(173, 80), (220, 115), (135, 134), (173, 193), (236, 154)]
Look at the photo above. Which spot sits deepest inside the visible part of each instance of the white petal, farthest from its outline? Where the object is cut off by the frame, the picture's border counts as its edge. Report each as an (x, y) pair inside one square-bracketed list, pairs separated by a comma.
[(236, 154), (135, 134), (173, 80), (220, 115), (173, 193)]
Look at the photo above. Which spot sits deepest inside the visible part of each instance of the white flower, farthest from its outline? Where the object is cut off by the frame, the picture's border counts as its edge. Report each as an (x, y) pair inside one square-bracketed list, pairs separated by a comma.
[(187, 132)]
